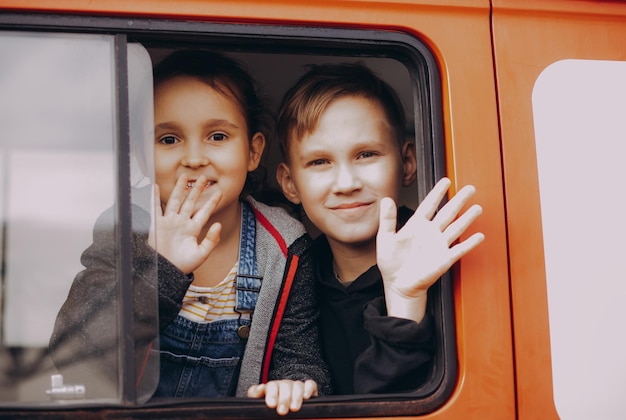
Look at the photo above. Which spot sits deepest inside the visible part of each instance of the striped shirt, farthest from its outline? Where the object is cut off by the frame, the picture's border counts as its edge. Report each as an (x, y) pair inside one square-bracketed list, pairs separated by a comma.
[(207, 304)]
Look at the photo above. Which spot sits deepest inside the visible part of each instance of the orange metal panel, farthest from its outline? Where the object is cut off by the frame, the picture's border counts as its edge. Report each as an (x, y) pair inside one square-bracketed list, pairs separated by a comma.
[(458, 32), (530, 35)]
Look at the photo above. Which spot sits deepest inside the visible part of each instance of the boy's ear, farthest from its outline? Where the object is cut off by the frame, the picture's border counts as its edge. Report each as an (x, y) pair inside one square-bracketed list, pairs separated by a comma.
[(285, 180), (409, 163), (257, 145)]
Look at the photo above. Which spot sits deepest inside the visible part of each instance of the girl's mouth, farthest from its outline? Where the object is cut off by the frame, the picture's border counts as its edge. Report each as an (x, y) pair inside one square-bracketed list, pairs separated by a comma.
[(190, 184)]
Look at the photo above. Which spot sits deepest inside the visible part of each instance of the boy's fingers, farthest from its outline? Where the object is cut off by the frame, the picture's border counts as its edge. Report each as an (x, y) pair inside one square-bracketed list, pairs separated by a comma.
[(256, 391), (386, 227), (452, 208), (297, 396), (387, 216), (310, 389), (462, 248), (271, 394), (430, 204), (456, 228), (284, 397)]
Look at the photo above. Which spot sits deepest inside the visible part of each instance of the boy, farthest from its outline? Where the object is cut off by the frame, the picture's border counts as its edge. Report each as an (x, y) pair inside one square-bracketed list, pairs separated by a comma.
[(342, 135)]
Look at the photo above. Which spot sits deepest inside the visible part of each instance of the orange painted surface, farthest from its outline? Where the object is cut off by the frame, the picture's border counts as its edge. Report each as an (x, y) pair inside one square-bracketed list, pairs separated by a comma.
[(529, 36), (458, 32)]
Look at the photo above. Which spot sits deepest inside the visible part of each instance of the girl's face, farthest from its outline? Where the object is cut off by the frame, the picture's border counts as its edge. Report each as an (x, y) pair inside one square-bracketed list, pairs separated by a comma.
[(200, 131), (341, 170)]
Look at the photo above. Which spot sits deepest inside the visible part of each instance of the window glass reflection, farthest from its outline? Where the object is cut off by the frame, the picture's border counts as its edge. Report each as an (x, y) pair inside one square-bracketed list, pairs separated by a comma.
[(57, 174)]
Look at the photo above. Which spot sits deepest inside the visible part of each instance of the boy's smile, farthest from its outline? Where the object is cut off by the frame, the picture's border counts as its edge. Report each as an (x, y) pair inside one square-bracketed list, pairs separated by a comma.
[(341, 170)]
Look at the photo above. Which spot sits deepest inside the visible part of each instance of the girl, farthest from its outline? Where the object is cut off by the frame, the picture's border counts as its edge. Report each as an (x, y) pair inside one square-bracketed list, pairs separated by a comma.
[(226, 262)]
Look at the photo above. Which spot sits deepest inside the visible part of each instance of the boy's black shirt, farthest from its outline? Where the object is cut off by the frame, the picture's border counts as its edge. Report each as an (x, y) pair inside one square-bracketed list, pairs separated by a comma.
[(367, 351)]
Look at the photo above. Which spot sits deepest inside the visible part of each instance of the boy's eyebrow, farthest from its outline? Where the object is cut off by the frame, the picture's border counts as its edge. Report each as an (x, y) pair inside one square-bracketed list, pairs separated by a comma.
[(313, 150), (363, 144)]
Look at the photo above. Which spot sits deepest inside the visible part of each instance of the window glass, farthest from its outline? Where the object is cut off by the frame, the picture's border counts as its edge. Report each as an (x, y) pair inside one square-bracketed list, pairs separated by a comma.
[(580, 132), (96, 83), (58, 174)]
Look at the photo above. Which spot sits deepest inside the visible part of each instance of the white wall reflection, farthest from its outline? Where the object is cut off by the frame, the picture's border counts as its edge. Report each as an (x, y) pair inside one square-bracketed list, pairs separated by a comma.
[(58, 173), (53, 199)]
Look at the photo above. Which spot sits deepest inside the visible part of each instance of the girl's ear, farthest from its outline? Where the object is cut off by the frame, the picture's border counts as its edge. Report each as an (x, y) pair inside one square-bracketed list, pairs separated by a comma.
[(409, 163), (257, 145), (285, 180)]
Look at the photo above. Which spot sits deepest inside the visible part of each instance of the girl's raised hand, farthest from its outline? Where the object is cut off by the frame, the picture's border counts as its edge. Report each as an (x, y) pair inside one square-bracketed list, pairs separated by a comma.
[(413, 258), (179, 226)]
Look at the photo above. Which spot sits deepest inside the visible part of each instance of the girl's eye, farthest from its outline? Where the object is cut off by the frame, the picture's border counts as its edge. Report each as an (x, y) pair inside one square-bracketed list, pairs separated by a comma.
[(317, 162), (168, 140), (218, 137)]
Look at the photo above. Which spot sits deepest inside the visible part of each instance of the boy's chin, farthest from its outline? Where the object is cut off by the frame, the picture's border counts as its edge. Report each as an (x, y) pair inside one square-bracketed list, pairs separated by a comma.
[(353, 239)]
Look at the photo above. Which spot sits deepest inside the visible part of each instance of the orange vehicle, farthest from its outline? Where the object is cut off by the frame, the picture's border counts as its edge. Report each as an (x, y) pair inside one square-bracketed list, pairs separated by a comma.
[(524, 99)]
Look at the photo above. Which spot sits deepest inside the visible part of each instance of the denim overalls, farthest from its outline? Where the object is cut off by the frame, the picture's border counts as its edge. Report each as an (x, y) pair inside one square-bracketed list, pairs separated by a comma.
[(203, 359)]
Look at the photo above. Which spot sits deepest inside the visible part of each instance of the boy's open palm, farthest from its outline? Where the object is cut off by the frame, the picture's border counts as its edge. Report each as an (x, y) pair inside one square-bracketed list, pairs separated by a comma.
[(178, 226), (413, 258)]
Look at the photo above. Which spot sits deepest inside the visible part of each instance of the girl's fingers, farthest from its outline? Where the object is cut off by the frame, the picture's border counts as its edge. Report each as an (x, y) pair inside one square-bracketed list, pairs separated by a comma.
[(212, 238), (203, 214), (177, 196), (155, 202), (189, 202)]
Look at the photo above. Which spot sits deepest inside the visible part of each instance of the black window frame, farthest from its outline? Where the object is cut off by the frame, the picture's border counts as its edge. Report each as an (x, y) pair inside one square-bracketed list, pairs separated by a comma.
[(297, 39)]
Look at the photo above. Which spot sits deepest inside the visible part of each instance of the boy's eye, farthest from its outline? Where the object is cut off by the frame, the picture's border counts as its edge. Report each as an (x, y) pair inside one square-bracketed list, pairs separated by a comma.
[(167, 140), (218, 137), (366, 154)]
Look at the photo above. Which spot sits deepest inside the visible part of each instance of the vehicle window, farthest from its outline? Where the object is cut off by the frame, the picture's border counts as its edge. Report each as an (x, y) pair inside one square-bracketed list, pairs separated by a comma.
[(60, 172), (578, 111), (110, 159)]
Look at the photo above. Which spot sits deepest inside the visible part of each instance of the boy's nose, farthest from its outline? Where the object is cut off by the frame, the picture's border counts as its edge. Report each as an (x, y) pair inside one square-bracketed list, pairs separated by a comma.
[(346, 179)]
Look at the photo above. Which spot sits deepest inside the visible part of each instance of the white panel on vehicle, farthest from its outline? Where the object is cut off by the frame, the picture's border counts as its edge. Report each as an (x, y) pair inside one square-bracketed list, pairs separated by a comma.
[(579, 109)]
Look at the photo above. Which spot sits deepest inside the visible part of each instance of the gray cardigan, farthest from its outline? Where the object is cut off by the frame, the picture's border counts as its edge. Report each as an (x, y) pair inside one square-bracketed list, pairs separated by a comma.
[(84, 341)]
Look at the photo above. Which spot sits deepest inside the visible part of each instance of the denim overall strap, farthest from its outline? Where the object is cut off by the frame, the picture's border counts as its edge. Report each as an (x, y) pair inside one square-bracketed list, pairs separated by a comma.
[(248, 281)]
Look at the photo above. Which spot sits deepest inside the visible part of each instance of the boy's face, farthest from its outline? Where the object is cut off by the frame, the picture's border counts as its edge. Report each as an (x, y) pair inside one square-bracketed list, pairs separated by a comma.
[(341, 170)]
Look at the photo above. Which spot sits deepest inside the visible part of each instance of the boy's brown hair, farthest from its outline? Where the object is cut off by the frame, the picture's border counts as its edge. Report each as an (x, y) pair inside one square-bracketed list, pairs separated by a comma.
[(305, 102)]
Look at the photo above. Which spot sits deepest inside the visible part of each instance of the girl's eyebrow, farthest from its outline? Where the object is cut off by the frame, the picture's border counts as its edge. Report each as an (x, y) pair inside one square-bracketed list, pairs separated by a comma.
[(166, 126), (220, 123), (210, 123)]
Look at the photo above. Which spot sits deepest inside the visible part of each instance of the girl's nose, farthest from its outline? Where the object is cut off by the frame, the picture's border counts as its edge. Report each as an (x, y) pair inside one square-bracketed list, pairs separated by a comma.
[(346, 179), (195, 157)]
